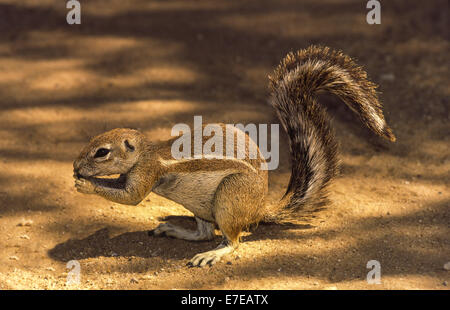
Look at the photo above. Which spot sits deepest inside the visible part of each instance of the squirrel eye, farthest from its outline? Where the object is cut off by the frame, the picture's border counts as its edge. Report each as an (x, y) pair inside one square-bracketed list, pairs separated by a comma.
[(101, 152)]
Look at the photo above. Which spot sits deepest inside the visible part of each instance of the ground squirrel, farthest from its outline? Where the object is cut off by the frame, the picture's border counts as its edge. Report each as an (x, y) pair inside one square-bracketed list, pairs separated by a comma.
[(230, 193)]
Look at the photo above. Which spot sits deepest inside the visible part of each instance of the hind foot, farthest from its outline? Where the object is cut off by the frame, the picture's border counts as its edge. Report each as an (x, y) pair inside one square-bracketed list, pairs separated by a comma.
[(205, 231), (211, 257)]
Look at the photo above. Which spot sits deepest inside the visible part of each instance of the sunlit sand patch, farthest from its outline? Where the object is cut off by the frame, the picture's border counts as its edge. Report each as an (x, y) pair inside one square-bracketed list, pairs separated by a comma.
[(36, 65), (92, 46), (43, 74), (64, 80), (20, 178), (134, 110), (76, 45), (156, 74), (9, 77)]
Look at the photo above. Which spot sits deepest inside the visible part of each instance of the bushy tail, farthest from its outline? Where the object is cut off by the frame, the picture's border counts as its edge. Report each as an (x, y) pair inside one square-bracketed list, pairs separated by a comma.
[(294, 85)]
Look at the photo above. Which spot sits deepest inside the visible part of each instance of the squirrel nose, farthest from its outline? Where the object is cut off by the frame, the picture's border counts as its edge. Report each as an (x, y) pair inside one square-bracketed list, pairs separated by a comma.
[(76, 166)]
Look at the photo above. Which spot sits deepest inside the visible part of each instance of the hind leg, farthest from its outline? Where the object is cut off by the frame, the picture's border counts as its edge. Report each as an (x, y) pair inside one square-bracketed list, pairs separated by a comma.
[(205, 231), (237, 204)]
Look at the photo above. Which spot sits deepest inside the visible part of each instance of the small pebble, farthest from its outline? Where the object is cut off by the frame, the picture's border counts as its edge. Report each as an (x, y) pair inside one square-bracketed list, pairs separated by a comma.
[(25, 222), (447, 266), (444, 283), (387, 77), (146, 277), (25, 237), (133, 280), (13, 258)]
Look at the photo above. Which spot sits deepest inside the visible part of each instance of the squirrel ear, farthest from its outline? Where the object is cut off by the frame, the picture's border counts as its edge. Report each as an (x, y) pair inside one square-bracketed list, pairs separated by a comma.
[(128, 146)]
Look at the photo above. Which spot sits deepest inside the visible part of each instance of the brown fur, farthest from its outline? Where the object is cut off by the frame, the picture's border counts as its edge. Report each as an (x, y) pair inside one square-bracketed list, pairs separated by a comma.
[(231, 193)]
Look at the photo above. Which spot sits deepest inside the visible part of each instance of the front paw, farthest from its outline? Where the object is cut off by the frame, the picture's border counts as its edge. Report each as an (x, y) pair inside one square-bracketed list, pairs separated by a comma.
[(84, 186)]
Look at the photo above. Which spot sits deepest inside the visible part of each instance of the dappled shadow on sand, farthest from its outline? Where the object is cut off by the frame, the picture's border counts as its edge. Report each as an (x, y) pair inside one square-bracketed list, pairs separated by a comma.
[(384, 239), (217, 50), (149, 67), (140, 244)]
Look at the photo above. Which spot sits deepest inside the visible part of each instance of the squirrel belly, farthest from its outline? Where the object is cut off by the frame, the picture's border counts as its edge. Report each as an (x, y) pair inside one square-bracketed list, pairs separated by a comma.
[(230, 193)]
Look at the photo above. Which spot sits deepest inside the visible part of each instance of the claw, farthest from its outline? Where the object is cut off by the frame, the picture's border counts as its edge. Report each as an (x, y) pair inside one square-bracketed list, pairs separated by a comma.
[(203, 259)]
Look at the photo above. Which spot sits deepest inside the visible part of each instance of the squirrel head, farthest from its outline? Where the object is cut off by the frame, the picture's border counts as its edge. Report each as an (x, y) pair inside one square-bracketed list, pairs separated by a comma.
[(112, 152)]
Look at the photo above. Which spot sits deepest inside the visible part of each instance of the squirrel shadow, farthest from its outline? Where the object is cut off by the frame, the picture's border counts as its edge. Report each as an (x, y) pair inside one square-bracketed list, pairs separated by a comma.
[(140, 244)]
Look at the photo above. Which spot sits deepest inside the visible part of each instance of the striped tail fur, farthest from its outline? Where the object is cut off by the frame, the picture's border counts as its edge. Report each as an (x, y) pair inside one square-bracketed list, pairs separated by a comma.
[(294, 85)]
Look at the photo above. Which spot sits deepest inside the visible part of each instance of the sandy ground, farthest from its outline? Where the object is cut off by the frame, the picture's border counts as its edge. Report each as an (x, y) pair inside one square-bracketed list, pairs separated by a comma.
[(152, 64)]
